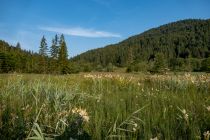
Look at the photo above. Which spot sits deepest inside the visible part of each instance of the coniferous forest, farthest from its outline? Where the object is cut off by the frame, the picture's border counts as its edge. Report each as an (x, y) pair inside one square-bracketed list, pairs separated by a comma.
[(50, 59), (179, 46)]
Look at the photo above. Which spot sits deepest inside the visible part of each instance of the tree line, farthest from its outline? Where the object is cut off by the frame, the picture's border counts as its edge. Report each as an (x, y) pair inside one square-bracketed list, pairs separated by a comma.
[(53, 59)]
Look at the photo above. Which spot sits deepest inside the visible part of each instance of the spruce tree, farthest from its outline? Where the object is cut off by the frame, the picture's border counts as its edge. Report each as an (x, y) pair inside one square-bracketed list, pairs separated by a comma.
[(43, 53), (159, 64), (43, 47), (63, 55), (18, 46), (54, 50)]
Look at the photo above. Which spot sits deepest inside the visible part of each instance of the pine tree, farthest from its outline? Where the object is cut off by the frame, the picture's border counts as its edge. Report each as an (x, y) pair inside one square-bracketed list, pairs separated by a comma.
[(18, 46), (43, 52), (160, 63), (54, 52), (63, 55), (43, 47)]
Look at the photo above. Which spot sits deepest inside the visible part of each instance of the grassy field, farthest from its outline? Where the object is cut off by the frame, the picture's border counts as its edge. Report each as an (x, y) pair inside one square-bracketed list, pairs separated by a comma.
[(105, 106)]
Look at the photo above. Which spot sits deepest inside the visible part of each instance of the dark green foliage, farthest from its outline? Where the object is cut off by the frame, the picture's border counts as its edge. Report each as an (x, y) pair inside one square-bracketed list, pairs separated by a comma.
[(99, 68), (43, 47), (159, 64), (14, 59), (205, 65), (18, 46), (142, 66), (87, 67), (43, 53), (178, 42), (130, 68), (54, 48), (63, 55), (110, 68), (73, 68)]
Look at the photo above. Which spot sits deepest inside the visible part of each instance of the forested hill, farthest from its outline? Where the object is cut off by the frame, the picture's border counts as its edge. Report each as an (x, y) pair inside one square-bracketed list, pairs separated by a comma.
[(176, 41), (53, 60), (13, 58)]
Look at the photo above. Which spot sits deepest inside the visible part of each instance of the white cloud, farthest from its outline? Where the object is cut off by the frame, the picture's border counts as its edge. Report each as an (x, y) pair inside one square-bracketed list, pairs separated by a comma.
[(80, 32)]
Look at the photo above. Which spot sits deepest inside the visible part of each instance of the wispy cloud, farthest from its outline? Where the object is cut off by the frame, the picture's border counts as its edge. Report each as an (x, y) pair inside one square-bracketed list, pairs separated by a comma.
[(80, 32)]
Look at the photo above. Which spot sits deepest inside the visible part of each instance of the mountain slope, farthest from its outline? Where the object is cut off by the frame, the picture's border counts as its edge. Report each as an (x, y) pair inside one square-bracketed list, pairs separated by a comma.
[(182, 39)]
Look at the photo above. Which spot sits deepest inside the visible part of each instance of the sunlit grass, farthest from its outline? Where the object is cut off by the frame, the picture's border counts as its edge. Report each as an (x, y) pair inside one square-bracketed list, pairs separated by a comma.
[(105, 106)]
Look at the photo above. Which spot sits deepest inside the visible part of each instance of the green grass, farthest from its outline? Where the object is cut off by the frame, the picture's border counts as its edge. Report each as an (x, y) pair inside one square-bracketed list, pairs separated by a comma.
[(119, 106)]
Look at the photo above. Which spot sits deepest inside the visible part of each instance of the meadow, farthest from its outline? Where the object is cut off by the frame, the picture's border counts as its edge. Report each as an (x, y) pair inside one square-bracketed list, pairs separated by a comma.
[(105, 106)]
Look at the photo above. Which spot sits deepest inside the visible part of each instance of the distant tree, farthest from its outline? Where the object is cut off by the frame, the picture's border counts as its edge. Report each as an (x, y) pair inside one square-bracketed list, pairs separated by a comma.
[(129, 69), (110, 67), (99, 68), (54, 53), (63, 55), (142, 66), (205, 65), (43, 47), (130, 56), (18, 46), (54, 49), (43, 53), (73, 68), (87, 67), (160, 63)]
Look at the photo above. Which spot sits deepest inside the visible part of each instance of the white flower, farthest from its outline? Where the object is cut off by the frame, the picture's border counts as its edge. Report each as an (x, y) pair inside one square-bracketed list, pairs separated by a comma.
[(135, 125), (154, 138), (206, 135), (208, 108), (82, 112)]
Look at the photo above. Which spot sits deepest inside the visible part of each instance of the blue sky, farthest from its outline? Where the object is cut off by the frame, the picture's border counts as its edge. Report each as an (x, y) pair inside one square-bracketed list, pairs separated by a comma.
[(89, 24)]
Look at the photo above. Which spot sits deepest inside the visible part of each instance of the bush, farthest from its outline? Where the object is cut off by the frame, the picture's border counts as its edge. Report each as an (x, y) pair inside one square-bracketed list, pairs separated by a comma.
[(110, 68), (142, 66), (129, 68), (99, 68), (205, 65), (159, 63)]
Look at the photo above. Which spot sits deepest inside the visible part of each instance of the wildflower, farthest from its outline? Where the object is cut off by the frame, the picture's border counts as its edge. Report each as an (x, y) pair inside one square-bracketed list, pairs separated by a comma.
[(82, 112), (63, 114), (134, 129), (186, 116), (206, 135), (154, 138), (135, 124), (208, 108)]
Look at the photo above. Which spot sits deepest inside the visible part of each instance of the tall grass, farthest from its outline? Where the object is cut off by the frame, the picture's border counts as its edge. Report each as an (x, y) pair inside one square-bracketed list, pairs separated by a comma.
[(117, 106)]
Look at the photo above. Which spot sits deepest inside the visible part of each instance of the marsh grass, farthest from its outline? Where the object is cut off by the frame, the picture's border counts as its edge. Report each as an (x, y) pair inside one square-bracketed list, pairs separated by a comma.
[(135, 106)]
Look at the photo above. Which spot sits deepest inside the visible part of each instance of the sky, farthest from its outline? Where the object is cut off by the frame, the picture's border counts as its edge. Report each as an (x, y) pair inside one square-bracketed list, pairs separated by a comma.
[(89, 24)]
